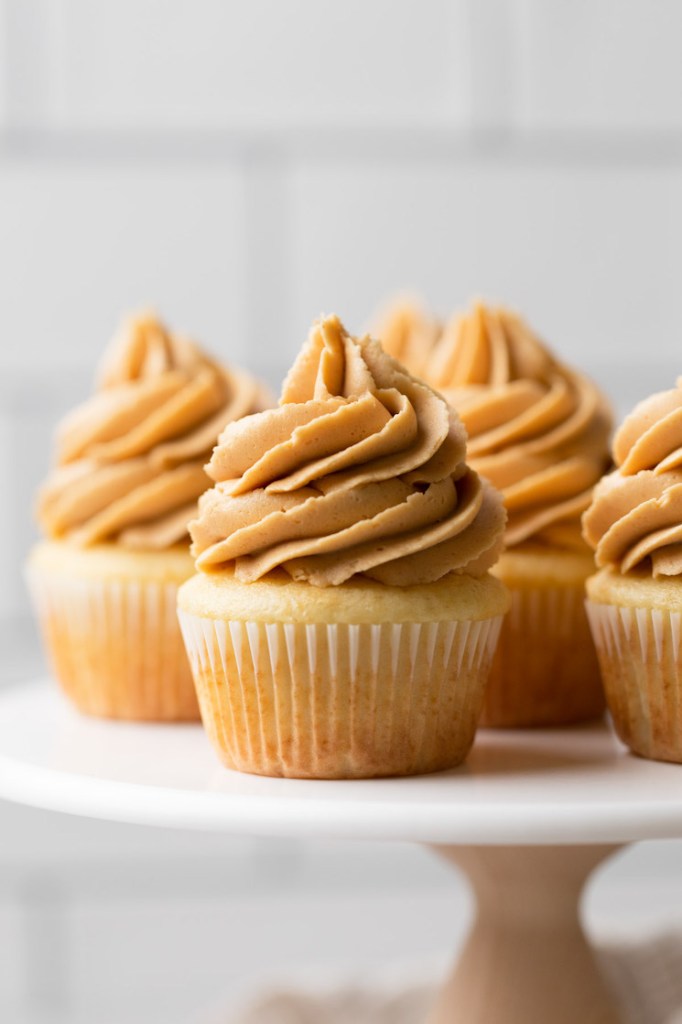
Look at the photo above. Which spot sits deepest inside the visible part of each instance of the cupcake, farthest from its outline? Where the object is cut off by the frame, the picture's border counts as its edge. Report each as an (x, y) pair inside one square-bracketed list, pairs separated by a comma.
[(538, 431), (342, 620), (115, 508), (634, 524)]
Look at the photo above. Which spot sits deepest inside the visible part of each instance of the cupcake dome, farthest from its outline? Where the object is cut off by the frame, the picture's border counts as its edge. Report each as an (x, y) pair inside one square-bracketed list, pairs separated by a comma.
[(635, 526), (343, 621), (116, 508)]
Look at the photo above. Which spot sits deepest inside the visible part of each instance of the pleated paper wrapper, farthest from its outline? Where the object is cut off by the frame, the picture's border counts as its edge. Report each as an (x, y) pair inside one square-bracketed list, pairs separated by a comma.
[(115, 646), (340, 700), (639, 653), (545, 670)]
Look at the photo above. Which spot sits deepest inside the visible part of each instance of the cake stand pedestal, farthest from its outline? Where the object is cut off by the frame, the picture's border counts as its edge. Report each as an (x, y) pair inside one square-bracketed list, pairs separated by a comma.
[(527, 958), (528, 817)]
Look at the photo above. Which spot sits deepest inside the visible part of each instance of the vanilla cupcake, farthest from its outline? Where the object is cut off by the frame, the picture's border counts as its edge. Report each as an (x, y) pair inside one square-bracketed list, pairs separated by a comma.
[(342, 621), (634, 525), (115, 509), (538, 431)]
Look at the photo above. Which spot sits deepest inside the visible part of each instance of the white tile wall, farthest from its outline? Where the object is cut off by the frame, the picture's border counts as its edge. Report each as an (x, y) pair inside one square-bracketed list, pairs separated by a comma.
[(112, 924), (590, 253), (29, 61), (493, 25), (269, 290), (82, 241), (219, 64), (608, 65), (7, 560), (12, 960), (269, 934), (167, 938), (27, 461), (4, 78), (244, 166)]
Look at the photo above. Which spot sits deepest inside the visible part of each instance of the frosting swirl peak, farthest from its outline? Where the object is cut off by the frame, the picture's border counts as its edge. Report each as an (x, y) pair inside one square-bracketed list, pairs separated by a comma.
[(635, 519), (130, 459), (360, 470), (408, 333), (537, 429)]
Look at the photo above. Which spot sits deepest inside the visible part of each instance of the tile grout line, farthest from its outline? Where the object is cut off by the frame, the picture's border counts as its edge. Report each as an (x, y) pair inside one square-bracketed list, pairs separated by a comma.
[(321, 144)]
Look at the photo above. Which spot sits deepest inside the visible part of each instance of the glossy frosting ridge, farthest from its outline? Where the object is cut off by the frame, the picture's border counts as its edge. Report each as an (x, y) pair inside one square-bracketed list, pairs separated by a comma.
[(360, 471), (129, 460)]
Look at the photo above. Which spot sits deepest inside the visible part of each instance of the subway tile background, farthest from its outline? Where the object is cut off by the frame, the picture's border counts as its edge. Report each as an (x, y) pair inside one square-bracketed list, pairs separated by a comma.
[(243, 166)]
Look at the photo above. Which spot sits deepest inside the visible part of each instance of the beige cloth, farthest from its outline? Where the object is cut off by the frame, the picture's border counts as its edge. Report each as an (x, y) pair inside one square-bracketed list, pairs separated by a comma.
[(646, 978)]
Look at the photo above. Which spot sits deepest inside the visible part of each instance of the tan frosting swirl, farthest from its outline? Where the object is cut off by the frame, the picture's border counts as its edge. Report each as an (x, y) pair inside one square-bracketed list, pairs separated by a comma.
[(407, 333), (130, 459), (537, 429), (361, 470), (635, 519)]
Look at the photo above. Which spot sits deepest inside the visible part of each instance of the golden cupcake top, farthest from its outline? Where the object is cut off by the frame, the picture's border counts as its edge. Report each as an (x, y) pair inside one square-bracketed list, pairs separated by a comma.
[(537, 429), (635, 519), (129, 460), (360, 471)]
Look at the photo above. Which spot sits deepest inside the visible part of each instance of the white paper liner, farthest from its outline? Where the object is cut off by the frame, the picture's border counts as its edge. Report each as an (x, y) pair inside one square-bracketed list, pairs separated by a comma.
[(543, 609), (337, 700), (115, 645), (639, 653), (545, 670)]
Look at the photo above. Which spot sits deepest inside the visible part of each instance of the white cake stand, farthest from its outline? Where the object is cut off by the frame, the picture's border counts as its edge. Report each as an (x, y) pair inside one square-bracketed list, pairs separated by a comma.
[(527, 818)]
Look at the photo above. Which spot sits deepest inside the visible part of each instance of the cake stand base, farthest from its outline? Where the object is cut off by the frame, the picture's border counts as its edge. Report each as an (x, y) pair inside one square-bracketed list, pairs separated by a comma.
[(527, 960)]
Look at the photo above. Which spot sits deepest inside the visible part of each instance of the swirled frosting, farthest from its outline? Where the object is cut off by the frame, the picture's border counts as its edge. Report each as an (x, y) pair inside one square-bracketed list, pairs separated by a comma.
[(130, 459), (537, 429), (635, 519), (360, 471), (408, 333)]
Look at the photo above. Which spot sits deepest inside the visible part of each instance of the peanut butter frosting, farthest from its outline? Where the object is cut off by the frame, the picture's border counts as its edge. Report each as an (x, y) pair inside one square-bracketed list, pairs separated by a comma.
[(360, 471), (635, 519), (537, 429), (130, 460), (408, 333)]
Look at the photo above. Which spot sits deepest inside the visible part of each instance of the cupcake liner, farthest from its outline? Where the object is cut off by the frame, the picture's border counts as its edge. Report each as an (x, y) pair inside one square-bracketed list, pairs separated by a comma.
[(545, 670), (115, 646), (340, 700), (639, 653)]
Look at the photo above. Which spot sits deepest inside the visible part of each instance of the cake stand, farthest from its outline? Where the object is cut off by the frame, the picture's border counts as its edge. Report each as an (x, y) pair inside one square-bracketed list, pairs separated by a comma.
[(528, 818)]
